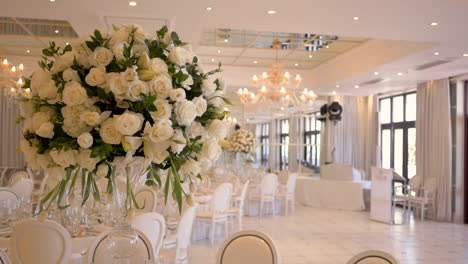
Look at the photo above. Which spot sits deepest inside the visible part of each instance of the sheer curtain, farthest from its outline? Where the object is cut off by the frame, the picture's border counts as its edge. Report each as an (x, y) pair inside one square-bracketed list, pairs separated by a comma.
[(433, 142), (10, 133)]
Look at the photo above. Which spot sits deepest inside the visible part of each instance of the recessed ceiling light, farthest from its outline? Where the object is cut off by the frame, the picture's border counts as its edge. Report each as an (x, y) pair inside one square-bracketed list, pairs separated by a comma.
[(400, 74), (209, 8), (465, 54), (27, 51), (436, 53), (271, 12), (68, 43), (356, 86), (356, 18), (337, 86), (219, 51), (334, 92), (376, 73), (255, 62), (327, 46), (52, 1), (434, 24), (226, 40), (296, 64), (132, 3), (56, 31), (212, 60), (310, 56)]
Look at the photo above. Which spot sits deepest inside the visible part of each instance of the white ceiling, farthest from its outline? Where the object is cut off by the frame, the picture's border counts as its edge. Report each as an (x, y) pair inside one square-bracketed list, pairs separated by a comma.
[(402, 36)]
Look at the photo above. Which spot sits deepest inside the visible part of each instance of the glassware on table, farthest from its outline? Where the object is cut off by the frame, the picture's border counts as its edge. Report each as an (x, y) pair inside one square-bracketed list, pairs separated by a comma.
[(7, 212)]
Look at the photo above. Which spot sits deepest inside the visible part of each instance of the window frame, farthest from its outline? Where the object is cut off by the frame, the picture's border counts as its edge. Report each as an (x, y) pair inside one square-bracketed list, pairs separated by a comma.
[(309, 133), (264, 143), (283, 137)]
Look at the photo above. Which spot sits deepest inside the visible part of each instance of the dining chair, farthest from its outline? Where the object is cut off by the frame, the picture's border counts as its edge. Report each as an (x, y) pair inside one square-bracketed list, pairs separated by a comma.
[(373, 257), (4, 258), (219, 210), (180, 241), (8, 194), (248, 246), (37, 241), (423, 197), (99, 252), (18, 176), (146, 196), (153, 226), (288, 193), (23, 188), (268, 187), (238, 210)]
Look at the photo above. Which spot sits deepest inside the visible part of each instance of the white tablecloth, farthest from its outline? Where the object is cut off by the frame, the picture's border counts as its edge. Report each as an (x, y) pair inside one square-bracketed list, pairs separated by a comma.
[(344, 195)]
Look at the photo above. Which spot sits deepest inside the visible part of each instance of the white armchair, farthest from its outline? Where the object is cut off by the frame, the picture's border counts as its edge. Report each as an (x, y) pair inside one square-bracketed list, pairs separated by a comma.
[(423, 197)]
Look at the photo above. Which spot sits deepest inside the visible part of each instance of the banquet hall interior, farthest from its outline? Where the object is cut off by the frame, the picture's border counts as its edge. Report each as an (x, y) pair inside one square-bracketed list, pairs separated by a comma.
[(256, 132)]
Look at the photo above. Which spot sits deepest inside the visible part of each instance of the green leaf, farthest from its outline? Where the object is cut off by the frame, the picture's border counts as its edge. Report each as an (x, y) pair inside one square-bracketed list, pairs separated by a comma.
[(162, 32), (47, 53), (101, 151)]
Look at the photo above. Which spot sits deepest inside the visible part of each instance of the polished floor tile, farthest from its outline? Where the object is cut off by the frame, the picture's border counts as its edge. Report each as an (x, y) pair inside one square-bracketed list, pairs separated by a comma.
[(332, 237)]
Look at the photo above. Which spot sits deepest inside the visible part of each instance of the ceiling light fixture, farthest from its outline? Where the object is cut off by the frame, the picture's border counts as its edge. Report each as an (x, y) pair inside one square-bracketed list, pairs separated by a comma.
[(212, 60), (68, 43), (27, 51), (57, 31), (337, 86), (334, 92), (219, 51), (356, 18), (255, 62), (376, 73), (132, 3), (209, 8), (356, 86), (226, 40), (51, 1), (465, 54), (400, 74), (310, 56), (436, 53), (271, 12), (296, 64), (434, 24)]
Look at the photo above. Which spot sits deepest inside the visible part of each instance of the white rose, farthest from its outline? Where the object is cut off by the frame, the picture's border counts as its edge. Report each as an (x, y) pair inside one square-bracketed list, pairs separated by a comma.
[(137, 88), (167, 38), (200, 104), (102, 56), (91, 118), (208, 87), (160, 131), (96, 77), (83, 158), (177, 95), (81, 52), (118, 50), (216, 99), (218, 129), (158, 65), (63, 62), (39, 118), (131, 143), (211, 149), (70, 75), (187, 82), (190, 168), (119, 36), (163, 110), (128, 123), (117, 84), (160, 86), (159, 157), (179, 56), (46, 130), (85, 140), (72, 124), (43, 85), (28, 125), (130, 74), (178, 141), (195, 129), (26, 109), (74, 94), (102, 170), (186, 112), (63, 158), (139, 49), (205, 164), (109, 133)]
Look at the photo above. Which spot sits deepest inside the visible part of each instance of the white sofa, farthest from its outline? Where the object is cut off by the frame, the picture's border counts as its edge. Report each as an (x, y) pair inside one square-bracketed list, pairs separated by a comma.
[(339, 187)]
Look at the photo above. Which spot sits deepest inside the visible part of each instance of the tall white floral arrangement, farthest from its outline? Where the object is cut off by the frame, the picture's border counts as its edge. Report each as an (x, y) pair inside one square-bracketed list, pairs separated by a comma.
[(117, 97), (241, 141)]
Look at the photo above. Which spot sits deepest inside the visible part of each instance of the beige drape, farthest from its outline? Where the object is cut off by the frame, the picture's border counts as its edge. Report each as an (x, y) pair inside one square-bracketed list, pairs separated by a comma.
[(433, 142), (10, 133)]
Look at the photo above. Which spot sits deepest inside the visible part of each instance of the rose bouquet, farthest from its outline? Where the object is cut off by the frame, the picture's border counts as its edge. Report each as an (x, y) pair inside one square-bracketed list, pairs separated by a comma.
[(241, 141), (114, 98)]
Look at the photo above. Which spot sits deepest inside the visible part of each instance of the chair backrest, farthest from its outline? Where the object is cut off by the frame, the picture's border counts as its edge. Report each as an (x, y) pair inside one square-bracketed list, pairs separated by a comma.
[(430, 184), (283, 176), (269, 184), (18, 176), (222, 198), (414, 183), (234, 180), (373, 257), (291, 183), (4, 259), (23, 188), (244, 194), (99, 253), (184, 232), (8, 194), (153, 226), (145, 195), (40, 241), (248, 247), (205, 181)]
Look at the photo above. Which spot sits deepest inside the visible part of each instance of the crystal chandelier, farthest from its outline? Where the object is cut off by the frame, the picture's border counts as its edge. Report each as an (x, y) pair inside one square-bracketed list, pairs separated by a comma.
[(277, 87), (11, 80)]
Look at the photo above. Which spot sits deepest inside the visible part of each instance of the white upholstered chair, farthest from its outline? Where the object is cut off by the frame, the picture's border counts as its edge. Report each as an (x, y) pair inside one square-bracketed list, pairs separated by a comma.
[(146, 196), (8, 194), (373, 257), (18, 176), (181, 240), (23, 188), (248, 247), (238, 210), (288, 193), (4, 258), (268, 188), (219, 210), (423, 197), (36, 241), (153, 226), (99, 253)]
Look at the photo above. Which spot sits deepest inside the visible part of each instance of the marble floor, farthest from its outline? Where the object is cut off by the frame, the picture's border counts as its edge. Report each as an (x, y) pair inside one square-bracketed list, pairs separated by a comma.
[(333, 237)]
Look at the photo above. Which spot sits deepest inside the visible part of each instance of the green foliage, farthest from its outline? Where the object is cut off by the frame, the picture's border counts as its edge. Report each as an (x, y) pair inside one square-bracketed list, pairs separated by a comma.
[(101, 151), (96, 41)]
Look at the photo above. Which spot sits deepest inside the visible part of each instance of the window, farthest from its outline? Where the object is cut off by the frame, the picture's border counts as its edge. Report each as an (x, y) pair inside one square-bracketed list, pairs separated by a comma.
[(398, 133), (283, 132), (312, 128), (264, 139)]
